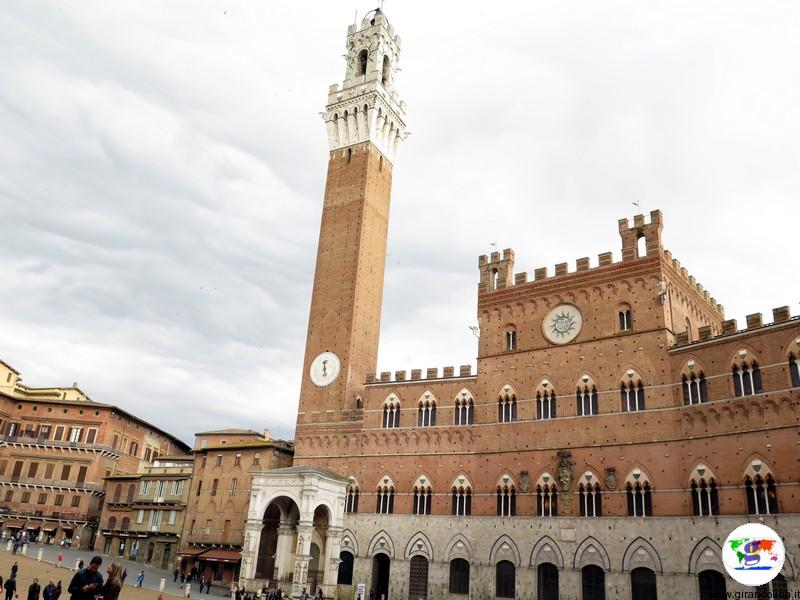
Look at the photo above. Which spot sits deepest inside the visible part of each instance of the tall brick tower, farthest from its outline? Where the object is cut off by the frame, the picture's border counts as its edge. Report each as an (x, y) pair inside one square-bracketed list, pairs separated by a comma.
[(365, 125)]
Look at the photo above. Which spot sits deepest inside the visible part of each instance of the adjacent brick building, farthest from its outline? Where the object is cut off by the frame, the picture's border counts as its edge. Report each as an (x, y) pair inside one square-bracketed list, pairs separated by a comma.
[(56, 447)]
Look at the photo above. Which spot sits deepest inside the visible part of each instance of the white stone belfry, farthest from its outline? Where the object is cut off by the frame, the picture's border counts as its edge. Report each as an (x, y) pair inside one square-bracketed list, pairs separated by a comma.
[(367, 107)]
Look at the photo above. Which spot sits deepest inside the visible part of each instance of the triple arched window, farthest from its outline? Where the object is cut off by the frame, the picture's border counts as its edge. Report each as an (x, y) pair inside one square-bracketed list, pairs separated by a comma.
[(590, 496), (507, 405), (639, 496), (461, 500), (426, 410), (385, 497), (746, 376), (464, 408), (705, 497), (545, 401), (586, 397), (546, 497), (695, 389), (762, 493), (351, 500), (631, 392), (391, 412), (506, 497), (423, 496)]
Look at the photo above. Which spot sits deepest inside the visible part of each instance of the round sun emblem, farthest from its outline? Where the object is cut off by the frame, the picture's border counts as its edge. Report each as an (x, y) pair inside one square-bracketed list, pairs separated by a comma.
[(562, 324)]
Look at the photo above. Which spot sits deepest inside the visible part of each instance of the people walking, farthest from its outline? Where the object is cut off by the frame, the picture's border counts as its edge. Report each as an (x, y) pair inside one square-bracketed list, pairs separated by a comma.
[(49, 590), (208, 585), (14, 569), (34, 589), (57, 592), (113, 585), (140, 579), (175, 572), (60, 559), (86, 582), (11, 587), (123, 576)]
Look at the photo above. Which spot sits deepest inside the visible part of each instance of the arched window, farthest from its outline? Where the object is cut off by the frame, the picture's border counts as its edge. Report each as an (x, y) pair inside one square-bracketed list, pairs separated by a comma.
[(695, 389), (117, 492), (546, 497), (505, 579), (794, 370), (590, 496), (112, 523), (624, 315), (761, 490), (351, 501), (586, 397), (426, 410), (639, 495), (643, 584), (705, 498), (423, 495), (126, 523), (131, 493), (386, 70), (545, 401), (712, 585), (511, 338), (345, 568), (459, 576), (464, 408), (688, 330), (746, 375), (391, 412), (363, 56), (385, 497), (547, 581), (507, 405), (593, 583), (506, 497), (461, 500), (632, 392)]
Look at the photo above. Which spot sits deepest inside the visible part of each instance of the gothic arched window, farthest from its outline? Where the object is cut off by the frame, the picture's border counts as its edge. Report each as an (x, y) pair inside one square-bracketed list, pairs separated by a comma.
[(586, 397), (746, 376), (695, 389), (625, 317), (546, 497), (590, 496), (638, 495), (363, 57), (632, 392), (464, 408), (423, 496), (511, 338), (545, 401), (506, 497), (461, 499), (794, 370), (385, 497), (391, 412), (507, 405), (426, 410), (386, 70), (351, 501)]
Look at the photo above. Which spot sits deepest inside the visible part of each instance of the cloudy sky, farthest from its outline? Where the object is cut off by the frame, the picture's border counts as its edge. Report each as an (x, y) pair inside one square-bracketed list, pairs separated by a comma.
[(162, 167)]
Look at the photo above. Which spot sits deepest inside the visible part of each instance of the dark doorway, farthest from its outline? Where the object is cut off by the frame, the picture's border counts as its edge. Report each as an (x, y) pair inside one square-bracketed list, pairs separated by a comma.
[(345, 569), (593, 582), (505, 579), (712, 585), (643, 584), (380, 576), (417, 578), (547, 575)]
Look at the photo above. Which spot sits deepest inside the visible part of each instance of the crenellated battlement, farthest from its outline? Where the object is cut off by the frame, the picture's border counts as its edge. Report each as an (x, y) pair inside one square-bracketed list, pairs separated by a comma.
[(690, 279), (754, 321), (431, 373)]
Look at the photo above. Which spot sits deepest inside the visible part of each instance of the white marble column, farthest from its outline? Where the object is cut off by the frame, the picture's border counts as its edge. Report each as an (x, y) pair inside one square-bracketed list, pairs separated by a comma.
[(330, 567), (284, 556), (252, 541), (302, 557)]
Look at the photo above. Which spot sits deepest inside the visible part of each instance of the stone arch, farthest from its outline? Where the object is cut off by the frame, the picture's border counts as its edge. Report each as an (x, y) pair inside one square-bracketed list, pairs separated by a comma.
[(419, 545), (641, 553), (591, 552), (547, 550), (459, 547), (706, 554), (381, 543), (350, 542), (505, 549)]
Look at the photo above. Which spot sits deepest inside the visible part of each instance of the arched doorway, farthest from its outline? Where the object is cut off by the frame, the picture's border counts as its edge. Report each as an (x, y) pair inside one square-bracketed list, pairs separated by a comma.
[(712, 585), (278, 540), (643, 584), (593, 583), (380, 576), (318, 549), (151, 548), (345, 569), (547, 581), (418, 578)]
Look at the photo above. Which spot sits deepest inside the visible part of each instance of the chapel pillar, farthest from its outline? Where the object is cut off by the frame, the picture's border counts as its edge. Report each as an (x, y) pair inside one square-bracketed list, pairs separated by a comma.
[(302, 557)]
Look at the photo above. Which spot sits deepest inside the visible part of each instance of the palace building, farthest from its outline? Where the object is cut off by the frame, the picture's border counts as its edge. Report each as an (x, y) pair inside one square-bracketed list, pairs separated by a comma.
[(618, 427)]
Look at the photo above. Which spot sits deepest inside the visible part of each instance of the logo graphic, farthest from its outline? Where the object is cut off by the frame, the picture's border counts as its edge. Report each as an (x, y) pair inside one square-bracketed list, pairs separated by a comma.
[(563, 324), (753, 554)]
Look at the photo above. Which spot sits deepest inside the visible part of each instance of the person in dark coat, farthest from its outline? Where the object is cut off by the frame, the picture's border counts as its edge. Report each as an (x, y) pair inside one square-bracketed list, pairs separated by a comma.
[(14, 569), (11, 588), (57, 591), (87, 582), (113, 586), (49, 590), (34, 589)]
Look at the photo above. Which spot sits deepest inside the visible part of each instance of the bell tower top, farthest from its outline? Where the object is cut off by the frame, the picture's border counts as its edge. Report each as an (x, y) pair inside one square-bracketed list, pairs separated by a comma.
[(367, 108)]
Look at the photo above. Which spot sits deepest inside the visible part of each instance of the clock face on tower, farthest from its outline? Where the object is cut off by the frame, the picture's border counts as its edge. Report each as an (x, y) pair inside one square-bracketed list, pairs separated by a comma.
[(324, 369), (562, 324)]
